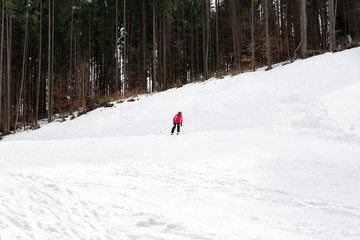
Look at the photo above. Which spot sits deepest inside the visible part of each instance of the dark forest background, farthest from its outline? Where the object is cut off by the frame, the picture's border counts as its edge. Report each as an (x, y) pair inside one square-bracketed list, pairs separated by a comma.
[(61, 57)]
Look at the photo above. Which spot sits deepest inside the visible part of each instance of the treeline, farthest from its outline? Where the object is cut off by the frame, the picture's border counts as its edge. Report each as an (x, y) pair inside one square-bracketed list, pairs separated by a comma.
[(57, 57)]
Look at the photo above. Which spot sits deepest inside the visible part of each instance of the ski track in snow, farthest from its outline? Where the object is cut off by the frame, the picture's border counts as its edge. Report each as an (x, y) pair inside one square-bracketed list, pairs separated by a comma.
[(266, 155), (240, 194)]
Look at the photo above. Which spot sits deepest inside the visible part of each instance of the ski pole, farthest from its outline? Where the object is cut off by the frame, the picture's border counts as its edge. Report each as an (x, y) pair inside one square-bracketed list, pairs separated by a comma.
[(182, 127), (165, 129)]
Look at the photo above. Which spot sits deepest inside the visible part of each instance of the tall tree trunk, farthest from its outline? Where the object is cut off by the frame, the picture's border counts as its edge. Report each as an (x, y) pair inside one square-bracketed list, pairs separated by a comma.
[(217, 35), (324, 19), (252, 37), (39, 69), (184, 51), (278, 32), (76, 77), (116, 48), (89, 54), (23, 73), (268, 50), (125, 49), (9, 75), (303, 28), (206, 37), (332, 19), (49, 84), (344, 15), (164, 52), (235, 32), (144, 47), (154, 47), (71, 47), (1, 55), (287, 29), (197, 50), (52, 55), (191, 44)]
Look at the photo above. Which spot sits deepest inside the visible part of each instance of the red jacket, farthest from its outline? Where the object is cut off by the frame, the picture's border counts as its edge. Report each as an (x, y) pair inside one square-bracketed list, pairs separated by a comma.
[(178, 119)]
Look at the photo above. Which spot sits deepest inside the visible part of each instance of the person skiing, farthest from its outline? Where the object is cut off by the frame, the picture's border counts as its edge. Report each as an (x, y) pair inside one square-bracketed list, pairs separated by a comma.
[(177, 121)]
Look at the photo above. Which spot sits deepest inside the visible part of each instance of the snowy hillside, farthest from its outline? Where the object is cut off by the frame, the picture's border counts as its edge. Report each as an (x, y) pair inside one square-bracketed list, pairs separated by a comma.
[(266, 155)]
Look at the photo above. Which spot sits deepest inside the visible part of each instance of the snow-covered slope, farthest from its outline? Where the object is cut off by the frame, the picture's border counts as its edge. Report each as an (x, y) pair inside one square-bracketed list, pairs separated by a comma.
[(318, 92), (265, 155)]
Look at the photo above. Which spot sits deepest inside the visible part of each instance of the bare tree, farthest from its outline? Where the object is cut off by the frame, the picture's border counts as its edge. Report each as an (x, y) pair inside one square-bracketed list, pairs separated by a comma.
[(192, 43), (332, 19), (268, 50), (116, 48), (23, 73), (125, 53), (154, 46), (185, 52), (287, 29), (164, 70), (39, 68), (144, 46), (217, 34), (49, 84), (235, 32), (71, 43), (303, 28), (52, 56), (1, 53), (8, 73), (206, 36), (252, 37)]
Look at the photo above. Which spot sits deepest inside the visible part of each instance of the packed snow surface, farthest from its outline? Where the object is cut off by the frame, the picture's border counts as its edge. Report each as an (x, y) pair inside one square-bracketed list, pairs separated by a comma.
[(266, 155)]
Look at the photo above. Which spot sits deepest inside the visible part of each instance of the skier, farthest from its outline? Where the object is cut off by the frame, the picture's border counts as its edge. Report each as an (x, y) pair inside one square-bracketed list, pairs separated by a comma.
[(177, 121)]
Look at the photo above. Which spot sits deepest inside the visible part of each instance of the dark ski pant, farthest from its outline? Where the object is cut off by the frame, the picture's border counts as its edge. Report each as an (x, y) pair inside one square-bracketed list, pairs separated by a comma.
[(178, 128)]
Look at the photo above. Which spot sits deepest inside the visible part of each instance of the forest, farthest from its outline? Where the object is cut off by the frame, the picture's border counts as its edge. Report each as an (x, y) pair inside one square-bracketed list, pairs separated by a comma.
[(62, 57)]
